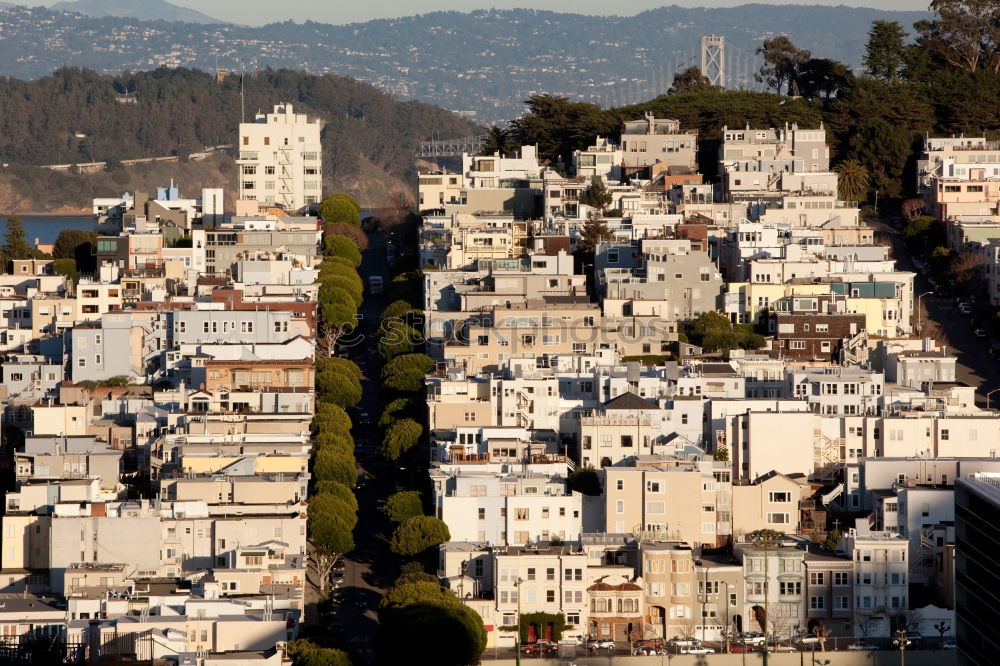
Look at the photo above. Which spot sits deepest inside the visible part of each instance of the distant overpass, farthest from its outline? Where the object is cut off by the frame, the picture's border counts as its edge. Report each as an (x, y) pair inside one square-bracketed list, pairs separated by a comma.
[(452, 147)]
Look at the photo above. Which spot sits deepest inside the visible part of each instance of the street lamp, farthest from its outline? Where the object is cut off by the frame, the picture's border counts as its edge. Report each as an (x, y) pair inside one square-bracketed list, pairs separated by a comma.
[(901, 642), (988, 397), (919, 311)]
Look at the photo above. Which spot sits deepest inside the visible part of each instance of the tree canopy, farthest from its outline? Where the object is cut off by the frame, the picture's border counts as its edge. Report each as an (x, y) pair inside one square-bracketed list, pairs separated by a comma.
[(421, 628), (400, 437), (340, 209), (403, 505), (418, 533), (405, 373)]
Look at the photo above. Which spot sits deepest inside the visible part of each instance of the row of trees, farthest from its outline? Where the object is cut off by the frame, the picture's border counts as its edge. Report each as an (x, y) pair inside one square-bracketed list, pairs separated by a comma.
[(341, 290)]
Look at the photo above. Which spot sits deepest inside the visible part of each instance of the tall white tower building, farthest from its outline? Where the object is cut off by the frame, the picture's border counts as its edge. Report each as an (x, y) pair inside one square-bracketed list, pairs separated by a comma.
[(280, 159)]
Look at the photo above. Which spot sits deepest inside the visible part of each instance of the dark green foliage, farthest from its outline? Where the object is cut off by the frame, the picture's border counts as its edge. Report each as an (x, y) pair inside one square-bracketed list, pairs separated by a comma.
[(782, 64), (397, 409), (332, 464), (330, 418), (15, 246), (594, 232), (885, 54), (342, 246), (340, 209), (406, 372), (406, 287), (66, 267), (415, 535), (413, 572), (72, 243), (541, 622), (403, 505), (832, 539), (690, 80), (417, 591), (597, 196), (396, 338), (883, 148), (306, 653), (400, 437), (338, 381), (714, 332), (398, 310), (647, 359), (338, 490), (452, 633), (331, 523)]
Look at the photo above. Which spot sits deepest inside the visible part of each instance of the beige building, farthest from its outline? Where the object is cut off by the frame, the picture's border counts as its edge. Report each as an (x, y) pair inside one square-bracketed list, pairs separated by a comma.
[(771, 502), (669, 575), (662, 503), (657, 140), (280, 159)]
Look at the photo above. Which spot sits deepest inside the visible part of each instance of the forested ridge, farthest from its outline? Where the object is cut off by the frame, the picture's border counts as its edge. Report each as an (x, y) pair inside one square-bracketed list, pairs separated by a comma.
[(77, 115)]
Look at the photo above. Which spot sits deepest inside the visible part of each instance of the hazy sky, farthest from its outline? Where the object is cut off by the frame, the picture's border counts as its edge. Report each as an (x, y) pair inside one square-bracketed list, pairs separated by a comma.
[(257, 12)]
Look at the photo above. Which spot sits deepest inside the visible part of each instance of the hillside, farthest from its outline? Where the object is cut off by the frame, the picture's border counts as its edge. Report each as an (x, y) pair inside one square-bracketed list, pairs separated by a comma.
[(486, 61), (80, 116), (143, 10)]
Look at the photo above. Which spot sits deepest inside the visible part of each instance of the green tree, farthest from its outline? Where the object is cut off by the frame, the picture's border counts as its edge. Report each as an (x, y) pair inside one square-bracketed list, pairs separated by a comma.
[(415, 535), (331, 527), (15, 246), (499, 140), (418, 628), (823, 77), (396, 338), (330, 417), (338, 490), (782, 63), (70, 243), (965, 34), (340, 209), (398, 310), (418, 591), (413, 572), (335, 465), (883, 148), (597, 196), (400, 437), (66, 267), (406, 372), (885, 53), (396, 410), (690, 80), (595, 231), (403, 505), (306, 653), (832, 539), (852, 181), (342, 246), (338, 381)]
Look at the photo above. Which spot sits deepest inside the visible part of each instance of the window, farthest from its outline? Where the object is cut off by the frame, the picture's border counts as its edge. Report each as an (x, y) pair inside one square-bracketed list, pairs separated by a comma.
[(482, 513), (840, 603), (652, 486), (619, 485), (550, 596), (817, 603), (790, 587), (779, 497), (944, 434), (777, 518), (531, 573), (620, 506), (816, 578)]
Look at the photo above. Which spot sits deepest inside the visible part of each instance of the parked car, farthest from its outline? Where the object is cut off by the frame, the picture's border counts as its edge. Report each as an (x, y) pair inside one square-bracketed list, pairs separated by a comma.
[(697, 649), (861, 646), (751, 638), (647, 650), (914, 636), (600, 644), (740, 648), (948, 645), (540, 647), (364, 419), (965, 307), (677, 641), (980, 332)]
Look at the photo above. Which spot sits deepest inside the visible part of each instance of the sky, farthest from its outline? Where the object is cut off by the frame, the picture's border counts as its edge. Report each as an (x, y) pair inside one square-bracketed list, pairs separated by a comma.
[(259, 12)]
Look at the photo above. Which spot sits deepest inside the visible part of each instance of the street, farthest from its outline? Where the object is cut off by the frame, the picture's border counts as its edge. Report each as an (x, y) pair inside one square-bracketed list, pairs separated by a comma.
[(370, 567), (942, 322)]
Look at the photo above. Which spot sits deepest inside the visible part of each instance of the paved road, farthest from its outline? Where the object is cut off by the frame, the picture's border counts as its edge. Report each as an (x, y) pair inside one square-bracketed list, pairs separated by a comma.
[(369, 569), (942, 322)]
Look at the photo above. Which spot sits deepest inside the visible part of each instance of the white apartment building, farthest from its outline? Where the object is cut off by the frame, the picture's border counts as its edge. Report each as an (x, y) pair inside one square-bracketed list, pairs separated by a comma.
[(775, 596), (280, 159), (503, 509), (881, 585)]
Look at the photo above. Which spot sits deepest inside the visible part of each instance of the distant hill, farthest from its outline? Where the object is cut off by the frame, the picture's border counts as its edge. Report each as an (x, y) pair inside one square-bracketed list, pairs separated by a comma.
[(369, 139), (486, 61), (143, 10)]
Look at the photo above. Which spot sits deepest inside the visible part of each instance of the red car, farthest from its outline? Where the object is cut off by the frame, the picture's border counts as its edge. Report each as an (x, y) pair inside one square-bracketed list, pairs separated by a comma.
[(539, 648)]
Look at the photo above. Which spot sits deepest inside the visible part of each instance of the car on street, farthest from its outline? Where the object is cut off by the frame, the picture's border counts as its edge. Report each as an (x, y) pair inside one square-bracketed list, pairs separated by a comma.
[(678, 641), (600, 644), (380, 504), (861, 647), (364, 419), (697, 649), (965, 307), (980, 332), (740, 648), (948, 645), (751, 638), (540, 647)]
